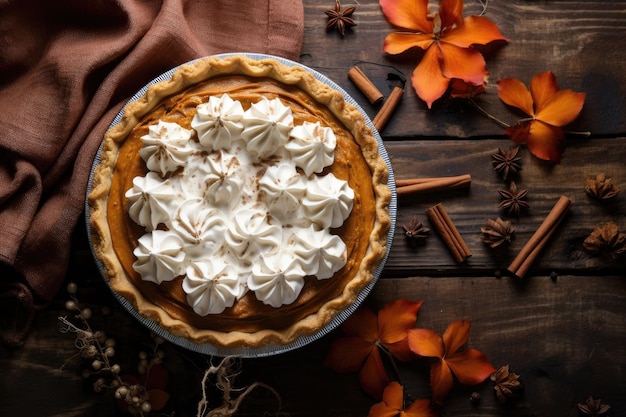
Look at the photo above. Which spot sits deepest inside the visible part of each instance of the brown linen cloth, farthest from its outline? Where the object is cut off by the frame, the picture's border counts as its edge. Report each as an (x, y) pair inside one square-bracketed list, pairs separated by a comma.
[(66, 69)]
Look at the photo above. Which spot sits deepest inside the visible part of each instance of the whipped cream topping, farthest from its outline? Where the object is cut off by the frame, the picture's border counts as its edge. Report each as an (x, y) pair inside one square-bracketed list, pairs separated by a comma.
[(328, 201), (165, 147), (268, 124), (277, 278), (211, 286), (202, 228), (239, 203), (284, 189), (223, 178), (319, 253), (253, 232), (160, 256), (312, 147), (218, 122), (151, 199)]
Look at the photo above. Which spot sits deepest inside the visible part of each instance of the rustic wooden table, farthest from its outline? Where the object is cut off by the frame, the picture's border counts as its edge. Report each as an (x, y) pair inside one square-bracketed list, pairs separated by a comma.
[(562, 328)]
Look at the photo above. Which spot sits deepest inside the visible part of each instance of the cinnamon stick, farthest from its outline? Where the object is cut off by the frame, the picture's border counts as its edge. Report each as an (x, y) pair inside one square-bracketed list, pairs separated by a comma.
[(364, 84), (388, 107), (531, 250), (423, 185), (448, 232)]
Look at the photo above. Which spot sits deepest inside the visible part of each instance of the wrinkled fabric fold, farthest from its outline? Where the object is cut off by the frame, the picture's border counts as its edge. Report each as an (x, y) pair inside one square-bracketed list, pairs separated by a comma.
[(66, 69)]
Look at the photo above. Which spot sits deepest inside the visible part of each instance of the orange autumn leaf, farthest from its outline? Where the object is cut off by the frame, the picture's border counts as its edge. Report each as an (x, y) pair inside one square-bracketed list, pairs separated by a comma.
[(548, 109), (393, 404), (447, 40), (365, 334), (469, 366)]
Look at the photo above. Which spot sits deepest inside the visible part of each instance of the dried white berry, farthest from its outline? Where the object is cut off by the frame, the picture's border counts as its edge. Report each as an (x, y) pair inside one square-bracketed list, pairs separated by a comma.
[(146, 407), (86, 313), (72, 288)]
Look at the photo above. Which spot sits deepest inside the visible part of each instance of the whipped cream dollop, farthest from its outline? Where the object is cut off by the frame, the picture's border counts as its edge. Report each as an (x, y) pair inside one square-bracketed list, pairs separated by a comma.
[(239, 203), (211, 285), (268, 124), (160, 256), (152, 199), (165, 147), (218, 122), (312, 147)]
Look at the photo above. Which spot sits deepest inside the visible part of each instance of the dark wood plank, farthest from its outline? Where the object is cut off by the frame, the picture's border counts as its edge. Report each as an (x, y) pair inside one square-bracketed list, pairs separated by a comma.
[(470, 209), (581, 42), (564, 337)]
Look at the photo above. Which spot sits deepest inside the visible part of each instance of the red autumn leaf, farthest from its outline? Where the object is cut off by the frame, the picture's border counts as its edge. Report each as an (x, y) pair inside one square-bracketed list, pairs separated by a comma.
[(462, 89), (365, 334), (447, 40), (469, 366), (548, 109), (158, 398), (393, 405), (157, 377)]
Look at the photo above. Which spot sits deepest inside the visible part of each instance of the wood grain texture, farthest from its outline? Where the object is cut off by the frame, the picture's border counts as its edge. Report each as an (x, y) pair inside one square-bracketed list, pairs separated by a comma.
[(580, 42), (564, 337), (564, 334), (469, 209)]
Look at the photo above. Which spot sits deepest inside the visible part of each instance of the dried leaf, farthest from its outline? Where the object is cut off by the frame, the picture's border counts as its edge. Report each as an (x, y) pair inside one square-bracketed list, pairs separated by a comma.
[(426, 342), (364, 332), (469, 366), (447, 40), (393, 404), (549, 109), (158, 398), (394, 319), (373, 376), (465, 90)]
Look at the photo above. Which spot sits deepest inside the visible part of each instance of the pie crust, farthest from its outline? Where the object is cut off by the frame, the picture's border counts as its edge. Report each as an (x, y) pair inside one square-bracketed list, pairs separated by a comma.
[(105, 211)]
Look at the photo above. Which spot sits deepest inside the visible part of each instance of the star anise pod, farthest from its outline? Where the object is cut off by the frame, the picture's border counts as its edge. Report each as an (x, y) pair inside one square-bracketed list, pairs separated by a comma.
[(606, 239), (496, 232), (340, 18), (513, 199), (506, 383), (601, 187), (593, 407), (415, 231), (507, 163)]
